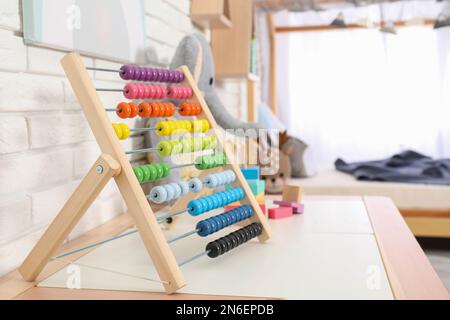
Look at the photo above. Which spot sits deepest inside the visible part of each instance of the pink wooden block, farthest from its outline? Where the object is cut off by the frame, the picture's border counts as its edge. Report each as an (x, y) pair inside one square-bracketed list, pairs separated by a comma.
[(280, 212), (296, 207)]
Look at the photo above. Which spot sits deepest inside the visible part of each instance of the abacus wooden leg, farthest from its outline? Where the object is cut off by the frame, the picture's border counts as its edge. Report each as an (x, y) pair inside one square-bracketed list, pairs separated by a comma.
[(92, 184)]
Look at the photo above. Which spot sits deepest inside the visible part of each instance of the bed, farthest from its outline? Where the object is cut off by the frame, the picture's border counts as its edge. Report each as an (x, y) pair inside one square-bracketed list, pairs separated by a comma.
[(425, 208)]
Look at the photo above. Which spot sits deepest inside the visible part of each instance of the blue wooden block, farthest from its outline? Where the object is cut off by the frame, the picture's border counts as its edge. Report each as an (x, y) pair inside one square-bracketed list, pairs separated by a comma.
[(250, 173), (257, 186)]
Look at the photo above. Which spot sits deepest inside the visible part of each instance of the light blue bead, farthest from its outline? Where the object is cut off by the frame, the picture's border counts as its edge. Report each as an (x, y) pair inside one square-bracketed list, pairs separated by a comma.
[(211, 181), (177, 189), (158, 194), (184, 186), (170, 191), (195, 185)]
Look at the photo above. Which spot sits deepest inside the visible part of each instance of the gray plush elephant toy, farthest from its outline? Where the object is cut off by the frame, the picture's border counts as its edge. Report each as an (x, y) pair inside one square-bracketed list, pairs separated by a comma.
[(194, 52)]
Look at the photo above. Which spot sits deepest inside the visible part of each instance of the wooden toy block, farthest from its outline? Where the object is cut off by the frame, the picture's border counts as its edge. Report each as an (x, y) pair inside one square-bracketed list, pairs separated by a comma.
[(296, 207), (251, 173), (260, 199), (280, 212), (257, 186), (292, 193)]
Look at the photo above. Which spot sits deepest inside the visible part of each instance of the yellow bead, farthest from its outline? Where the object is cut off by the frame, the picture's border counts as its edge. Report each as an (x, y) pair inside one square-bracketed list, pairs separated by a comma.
[(197, 126), (125, 131), (163, 128), (187, 125), (205, 125), (118, 130)]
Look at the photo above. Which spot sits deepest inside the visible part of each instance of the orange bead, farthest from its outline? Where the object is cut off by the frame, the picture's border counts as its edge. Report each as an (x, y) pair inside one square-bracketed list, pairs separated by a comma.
[(156, 112), (162, 110), (185, 109), (197, 109), (134, 110), (123, 110), (171, 108), (145, 110)]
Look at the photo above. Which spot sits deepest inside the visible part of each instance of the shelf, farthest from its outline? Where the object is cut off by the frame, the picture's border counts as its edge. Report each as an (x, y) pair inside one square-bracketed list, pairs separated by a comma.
[(213, 14), (232, 47)]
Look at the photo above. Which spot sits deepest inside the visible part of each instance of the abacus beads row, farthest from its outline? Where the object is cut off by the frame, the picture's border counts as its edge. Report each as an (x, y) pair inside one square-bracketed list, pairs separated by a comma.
[(150, 91), (171, 147), (211, 161), (130, 72), (168, 192), (189, 109), (179, 92), (126, 110), (122, 130), (215, 180), (156, 109), (170, 127), (151, 172), (214, 201), (223, 220), (222, 245), (144, 91)]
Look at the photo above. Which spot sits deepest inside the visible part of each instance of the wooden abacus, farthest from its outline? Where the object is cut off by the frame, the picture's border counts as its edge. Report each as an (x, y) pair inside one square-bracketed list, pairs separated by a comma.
[(113, 163)]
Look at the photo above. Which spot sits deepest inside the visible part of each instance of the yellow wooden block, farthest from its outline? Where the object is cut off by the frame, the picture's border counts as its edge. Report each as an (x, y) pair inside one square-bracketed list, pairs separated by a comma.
[(292, 193)]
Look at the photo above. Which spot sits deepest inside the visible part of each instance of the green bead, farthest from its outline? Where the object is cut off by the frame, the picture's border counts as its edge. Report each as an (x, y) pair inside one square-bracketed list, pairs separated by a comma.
[(139, 173), (153, 172), (146, 177), (159, 170), (166, 169), (164, 148)]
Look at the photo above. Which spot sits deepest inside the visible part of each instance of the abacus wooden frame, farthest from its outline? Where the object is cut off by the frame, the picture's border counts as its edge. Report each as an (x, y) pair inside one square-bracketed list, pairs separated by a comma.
[(135, 199)]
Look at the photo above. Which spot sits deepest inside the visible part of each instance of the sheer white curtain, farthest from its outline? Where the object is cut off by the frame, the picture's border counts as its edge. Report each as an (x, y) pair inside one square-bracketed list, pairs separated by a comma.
[(360, 94)]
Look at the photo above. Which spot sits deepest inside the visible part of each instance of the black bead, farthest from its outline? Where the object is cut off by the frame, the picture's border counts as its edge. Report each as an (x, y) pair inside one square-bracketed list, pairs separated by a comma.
[(223, 245), (234, 240), (229, 243), (214, 249)]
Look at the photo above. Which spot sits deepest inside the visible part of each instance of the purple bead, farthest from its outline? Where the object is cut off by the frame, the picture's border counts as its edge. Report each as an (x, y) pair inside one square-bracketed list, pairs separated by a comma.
[(127, 72), (143, 73), (160, 75), (148, 74), (154, 75), (180, 76), (171, 76), (165, 75)]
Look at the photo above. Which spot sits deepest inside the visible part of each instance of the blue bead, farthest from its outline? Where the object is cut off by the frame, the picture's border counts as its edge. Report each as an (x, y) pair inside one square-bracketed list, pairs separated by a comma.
[(218, 222), (241, 193), (233, 217), (204, 228), (224, 199), (224, 221), (204, 203), (209, 205), (214, 226), (216, 202), (195, 207), (229, 198)]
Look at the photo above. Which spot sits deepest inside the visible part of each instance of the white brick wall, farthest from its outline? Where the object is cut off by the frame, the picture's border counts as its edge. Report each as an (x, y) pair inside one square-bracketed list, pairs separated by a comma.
[(46, 146)]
